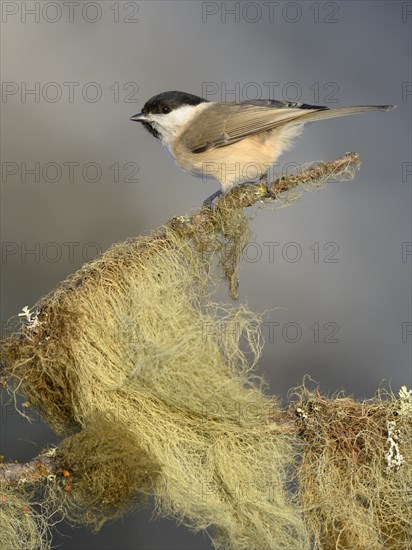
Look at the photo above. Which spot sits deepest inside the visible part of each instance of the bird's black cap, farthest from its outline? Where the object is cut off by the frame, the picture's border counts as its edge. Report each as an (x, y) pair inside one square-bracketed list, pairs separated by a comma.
[(168, 101)]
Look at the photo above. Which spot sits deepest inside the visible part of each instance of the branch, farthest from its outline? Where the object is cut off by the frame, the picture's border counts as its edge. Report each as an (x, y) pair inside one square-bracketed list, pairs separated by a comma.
[(150, 382), (247, 195), (35, 471)]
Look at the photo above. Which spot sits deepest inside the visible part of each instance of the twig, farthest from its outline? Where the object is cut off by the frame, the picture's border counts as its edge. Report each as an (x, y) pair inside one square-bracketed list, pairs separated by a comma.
[(35, 471)]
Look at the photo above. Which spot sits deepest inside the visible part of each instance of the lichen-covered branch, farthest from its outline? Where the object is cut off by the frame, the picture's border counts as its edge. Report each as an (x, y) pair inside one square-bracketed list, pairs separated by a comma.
[(151, 384), (35, 471)]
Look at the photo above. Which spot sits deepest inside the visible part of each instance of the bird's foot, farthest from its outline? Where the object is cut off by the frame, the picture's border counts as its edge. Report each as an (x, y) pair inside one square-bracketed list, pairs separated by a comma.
[(207, 203)]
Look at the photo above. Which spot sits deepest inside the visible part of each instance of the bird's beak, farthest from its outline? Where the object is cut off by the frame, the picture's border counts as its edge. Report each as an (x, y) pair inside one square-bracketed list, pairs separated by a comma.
[(139, 117)]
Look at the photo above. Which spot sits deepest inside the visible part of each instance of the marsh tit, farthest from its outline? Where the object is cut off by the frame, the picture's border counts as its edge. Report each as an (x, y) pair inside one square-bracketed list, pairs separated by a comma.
[(231, 142)]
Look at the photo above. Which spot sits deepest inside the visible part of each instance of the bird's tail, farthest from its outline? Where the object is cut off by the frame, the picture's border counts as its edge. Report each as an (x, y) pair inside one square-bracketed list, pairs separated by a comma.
[(342, 111)]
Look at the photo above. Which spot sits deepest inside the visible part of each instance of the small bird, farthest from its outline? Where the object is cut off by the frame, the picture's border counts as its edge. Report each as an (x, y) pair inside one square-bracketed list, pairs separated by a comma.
[(231, 142)]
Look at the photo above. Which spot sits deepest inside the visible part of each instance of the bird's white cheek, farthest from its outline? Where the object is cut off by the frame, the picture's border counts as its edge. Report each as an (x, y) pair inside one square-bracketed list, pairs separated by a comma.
[(173, 123)]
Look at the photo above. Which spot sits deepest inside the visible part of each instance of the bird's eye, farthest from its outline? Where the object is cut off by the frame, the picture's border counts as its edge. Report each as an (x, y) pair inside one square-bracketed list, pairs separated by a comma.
[(165, 109)]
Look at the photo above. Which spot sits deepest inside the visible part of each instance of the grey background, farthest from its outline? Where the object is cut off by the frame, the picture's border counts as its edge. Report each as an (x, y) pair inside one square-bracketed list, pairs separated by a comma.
[(360, 51)]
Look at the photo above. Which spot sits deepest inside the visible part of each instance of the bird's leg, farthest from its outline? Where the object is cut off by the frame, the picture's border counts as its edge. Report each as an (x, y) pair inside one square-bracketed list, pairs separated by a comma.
[(265, 180), (208, 202)]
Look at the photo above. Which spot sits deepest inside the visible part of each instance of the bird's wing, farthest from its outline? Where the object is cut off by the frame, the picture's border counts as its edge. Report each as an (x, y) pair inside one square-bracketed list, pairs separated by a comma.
[(222, 124)]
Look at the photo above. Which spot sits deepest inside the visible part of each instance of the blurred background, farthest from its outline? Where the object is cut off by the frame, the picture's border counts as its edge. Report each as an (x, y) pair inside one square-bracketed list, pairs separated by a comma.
[(332, 271)]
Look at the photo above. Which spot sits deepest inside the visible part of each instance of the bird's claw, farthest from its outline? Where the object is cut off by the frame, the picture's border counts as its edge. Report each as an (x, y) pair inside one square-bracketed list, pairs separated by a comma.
[(207, 203)]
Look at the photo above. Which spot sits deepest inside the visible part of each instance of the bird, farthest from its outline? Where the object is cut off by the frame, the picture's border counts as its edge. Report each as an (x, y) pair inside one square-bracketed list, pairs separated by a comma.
[(231, 142)]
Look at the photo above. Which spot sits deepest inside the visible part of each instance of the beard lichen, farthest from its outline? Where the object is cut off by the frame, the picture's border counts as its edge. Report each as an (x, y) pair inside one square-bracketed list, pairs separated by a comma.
[(151, 384), (132, 353)]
